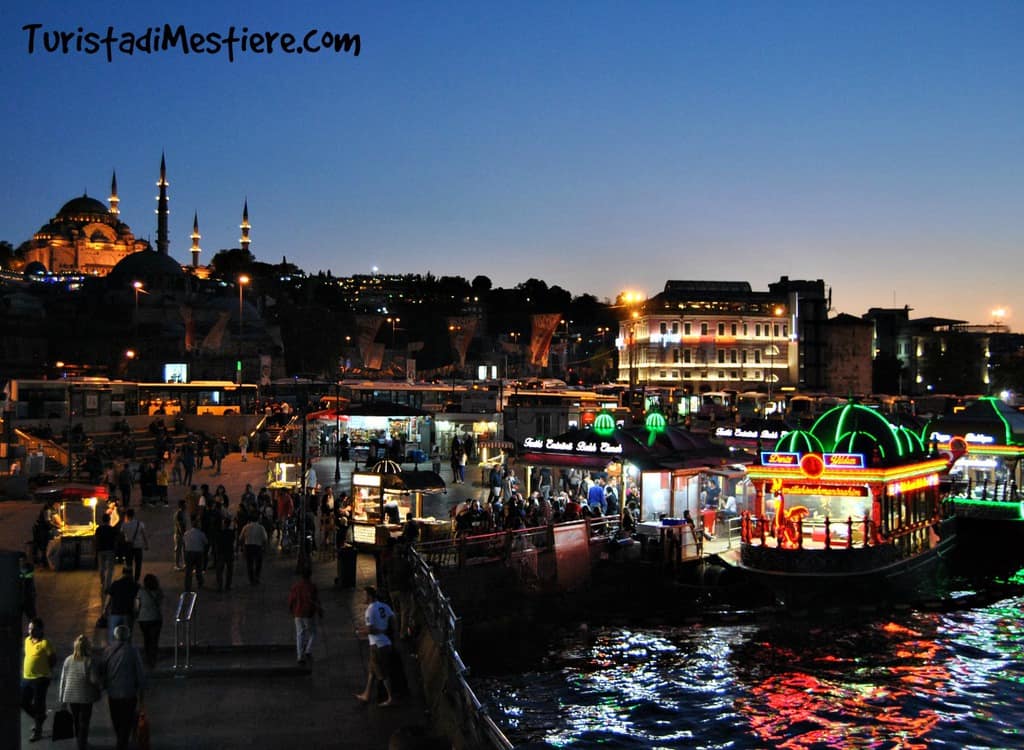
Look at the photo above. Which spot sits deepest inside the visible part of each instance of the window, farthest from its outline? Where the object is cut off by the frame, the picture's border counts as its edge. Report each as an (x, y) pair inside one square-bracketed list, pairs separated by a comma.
[(675, 374), (734, 375), (732, 356), (784, 329), (745, 330), (775, 330), (664, 328), (663, 374), (721, 356), (733, 329), (675, 355), (721, 374), (703, 329), (686, 329), (743, 356), (688, 374), (687, 356), (675, 326), (721, 329), (757, 329), (757, 356)]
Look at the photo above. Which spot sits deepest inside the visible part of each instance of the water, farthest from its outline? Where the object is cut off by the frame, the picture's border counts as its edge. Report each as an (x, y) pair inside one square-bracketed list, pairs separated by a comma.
[(916, 679)]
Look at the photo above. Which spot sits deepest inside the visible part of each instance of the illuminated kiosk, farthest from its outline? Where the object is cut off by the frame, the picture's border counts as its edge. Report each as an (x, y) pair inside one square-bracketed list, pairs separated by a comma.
[(659, 466), (848, 510), (77, 504), (386, 489), (984, 444)]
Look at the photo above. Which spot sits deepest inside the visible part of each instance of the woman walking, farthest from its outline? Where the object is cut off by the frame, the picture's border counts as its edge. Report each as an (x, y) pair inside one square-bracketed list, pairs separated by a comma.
[(79, 688), (151, 619)]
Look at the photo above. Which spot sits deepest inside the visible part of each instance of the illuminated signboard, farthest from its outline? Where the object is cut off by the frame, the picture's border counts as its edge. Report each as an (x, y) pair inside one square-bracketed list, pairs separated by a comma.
[(780, 459), (363, 534), (803, 488), (740, 434), (589, 447), (973, 438), (366, 480), (843, 460), (908, 485)]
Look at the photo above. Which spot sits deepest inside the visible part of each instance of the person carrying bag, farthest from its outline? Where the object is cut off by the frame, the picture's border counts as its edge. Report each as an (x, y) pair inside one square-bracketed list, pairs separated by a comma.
[(79, 690)]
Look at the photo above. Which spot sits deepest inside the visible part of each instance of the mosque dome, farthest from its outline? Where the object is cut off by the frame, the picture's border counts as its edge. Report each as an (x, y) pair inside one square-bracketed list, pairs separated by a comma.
[(83, 206), (147, 266)]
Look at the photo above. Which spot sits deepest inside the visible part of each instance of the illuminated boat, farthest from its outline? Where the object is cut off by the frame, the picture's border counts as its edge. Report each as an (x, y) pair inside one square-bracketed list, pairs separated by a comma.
[(847, 511), (984, 444)]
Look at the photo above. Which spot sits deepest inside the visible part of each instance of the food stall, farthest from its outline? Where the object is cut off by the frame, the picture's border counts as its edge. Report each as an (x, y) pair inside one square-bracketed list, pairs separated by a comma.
[(384, 495), (76, 505)]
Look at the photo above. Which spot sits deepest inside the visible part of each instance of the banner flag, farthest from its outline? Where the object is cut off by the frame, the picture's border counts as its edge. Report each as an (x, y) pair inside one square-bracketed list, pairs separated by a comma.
[(215, 338), (543, 328), (374, 357), (367, 328), (461, 331)]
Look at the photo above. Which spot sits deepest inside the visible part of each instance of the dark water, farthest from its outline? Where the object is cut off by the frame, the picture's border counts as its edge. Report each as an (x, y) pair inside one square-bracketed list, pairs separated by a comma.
[(915, 679)]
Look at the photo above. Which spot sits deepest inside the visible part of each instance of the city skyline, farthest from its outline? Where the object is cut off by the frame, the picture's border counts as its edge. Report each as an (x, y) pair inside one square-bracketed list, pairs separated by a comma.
[(596, 146)]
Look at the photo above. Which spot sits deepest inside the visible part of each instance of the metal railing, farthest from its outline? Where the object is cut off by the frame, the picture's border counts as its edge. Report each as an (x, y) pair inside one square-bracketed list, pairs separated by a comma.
[(444, 626), (184, 629)]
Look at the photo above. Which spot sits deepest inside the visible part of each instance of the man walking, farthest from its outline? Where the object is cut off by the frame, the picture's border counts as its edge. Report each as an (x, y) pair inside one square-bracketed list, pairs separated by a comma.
[(195, 543), (378, 617), (120, 606), (253, 540), (36, 673), (180, 527), (134, 532), (124, 680), (304, 603), (125, 481)]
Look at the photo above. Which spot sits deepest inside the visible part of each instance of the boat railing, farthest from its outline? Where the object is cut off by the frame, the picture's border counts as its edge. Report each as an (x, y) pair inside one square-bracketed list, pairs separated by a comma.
[(849, 533), (968, 489)]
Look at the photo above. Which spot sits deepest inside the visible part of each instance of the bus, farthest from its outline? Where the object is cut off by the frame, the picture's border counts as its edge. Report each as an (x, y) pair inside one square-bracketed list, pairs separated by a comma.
[(101, 397), (751, 404)]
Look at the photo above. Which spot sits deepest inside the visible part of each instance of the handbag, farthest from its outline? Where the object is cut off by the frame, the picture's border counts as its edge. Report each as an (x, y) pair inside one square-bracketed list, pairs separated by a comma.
[(142, 732), (63, 725)]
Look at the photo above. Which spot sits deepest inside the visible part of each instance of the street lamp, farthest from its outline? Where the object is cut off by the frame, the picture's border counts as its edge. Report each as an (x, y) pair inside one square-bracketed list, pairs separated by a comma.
[(242, 281), (137, 286), (776, 312), (394, 322)]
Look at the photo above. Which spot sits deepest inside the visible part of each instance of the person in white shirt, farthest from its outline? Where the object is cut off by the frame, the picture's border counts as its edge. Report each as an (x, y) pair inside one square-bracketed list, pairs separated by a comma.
[(378, 618)]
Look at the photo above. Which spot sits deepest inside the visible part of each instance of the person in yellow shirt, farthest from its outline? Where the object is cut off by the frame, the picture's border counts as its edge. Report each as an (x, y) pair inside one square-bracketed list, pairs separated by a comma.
[(40, 659)]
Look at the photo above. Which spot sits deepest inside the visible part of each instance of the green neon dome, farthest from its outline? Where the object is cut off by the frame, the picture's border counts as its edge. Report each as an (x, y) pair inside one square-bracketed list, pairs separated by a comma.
[(798, 441)]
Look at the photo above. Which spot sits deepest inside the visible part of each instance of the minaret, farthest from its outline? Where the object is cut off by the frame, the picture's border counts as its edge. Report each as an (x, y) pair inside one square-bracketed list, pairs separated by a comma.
[(245, 226), (195, 240), (114, 200), (162, 240)]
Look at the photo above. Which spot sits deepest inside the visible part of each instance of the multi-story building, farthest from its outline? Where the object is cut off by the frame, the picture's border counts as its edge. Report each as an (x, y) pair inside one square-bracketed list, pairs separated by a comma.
[(717, 335)]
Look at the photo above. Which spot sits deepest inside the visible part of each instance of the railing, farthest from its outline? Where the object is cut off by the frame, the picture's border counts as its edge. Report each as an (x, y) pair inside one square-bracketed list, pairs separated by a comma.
[(1006, 491), (184, 629), (909, 539), (48, 448), (444, 626)]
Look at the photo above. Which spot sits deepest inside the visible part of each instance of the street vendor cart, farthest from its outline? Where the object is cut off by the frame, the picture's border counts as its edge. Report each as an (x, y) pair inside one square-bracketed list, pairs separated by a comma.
[(383, 497)]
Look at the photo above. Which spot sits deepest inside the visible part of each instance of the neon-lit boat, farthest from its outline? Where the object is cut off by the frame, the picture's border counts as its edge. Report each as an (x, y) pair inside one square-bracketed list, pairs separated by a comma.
[(849, 510), (984, 444)]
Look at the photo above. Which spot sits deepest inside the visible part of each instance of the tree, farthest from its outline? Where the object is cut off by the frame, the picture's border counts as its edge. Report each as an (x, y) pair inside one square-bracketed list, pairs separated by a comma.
[(227, 264)]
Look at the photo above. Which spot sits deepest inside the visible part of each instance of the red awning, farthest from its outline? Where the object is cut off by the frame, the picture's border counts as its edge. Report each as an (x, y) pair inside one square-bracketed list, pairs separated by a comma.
[(328, 414)]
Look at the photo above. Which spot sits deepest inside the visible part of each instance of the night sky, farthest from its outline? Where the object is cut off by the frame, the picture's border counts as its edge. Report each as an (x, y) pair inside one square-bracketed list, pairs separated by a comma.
[(595, 145)]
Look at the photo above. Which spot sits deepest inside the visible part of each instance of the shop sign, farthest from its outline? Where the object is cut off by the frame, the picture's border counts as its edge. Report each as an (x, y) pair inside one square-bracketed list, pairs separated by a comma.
[(805, 488), (740, 434), (363, 534), (843, 460), (909, 485), (366, 480), (780, 459), (602, 447), (974, 438)]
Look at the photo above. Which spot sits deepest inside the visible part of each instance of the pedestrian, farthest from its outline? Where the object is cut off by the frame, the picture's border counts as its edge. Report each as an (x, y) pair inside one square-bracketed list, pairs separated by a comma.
[(254, 540), (162, 480), (120, 605), (27, 587), (243, 446), (151, 619), (379, 622), (195, 543), (180, 527), (134, 532), (304, 603), (80, 688), (124, 679), (105, 544), (36, 672), (224, 542), (125, 482)]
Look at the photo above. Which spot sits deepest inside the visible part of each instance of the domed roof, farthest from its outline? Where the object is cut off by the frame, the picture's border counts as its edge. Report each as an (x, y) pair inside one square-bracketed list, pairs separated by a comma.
[(145, 265), (798, 441), (83, 205), (854, 428)]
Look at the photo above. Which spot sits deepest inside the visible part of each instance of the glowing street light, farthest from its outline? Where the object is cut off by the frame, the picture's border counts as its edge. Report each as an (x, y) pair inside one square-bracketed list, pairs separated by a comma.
[(242, 281), (776, 312), (137, 286)]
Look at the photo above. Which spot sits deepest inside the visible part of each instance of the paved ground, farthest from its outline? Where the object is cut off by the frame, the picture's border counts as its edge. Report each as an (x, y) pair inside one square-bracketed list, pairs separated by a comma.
[(246, 690)]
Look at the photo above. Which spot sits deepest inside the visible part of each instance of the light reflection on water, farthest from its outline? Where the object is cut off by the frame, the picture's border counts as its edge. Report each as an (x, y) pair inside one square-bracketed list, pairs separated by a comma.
[(918, 680)]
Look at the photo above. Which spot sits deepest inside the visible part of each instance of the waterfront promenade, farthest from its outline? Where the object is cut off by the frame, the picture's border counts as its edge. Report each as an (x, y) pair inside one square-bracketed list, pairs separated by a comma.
[(245, 689)]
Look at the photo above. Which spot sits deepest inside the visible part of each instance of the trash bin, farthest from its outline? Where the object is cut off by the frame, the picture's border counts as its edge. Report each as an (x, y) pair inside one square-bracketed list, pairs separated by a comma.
[(346, 567)]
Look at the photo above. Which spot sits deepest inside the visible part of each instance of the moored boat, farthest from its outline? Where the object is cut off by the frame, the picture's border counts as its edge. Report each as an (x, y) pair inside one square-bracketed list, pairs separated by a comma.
[(848, 511)]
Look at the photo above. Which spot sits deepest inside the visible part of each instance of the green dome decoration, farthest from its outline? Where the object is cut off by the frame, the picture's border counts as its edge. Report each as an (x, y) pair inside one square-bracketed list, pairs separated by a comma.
[(856, 425), (798, 441), (604, 424)]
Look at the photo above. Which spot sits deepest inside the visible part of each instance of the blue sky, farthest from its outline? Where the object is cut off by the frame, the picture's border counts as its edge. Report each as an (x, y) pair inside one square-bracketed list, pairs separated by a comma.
[(596, 145)]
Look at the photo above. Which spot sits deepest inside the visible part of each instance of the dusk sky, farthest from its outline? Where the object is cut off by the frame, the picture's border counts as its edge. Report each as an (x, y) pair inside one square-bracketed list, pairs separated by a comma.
[(599, 146)]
